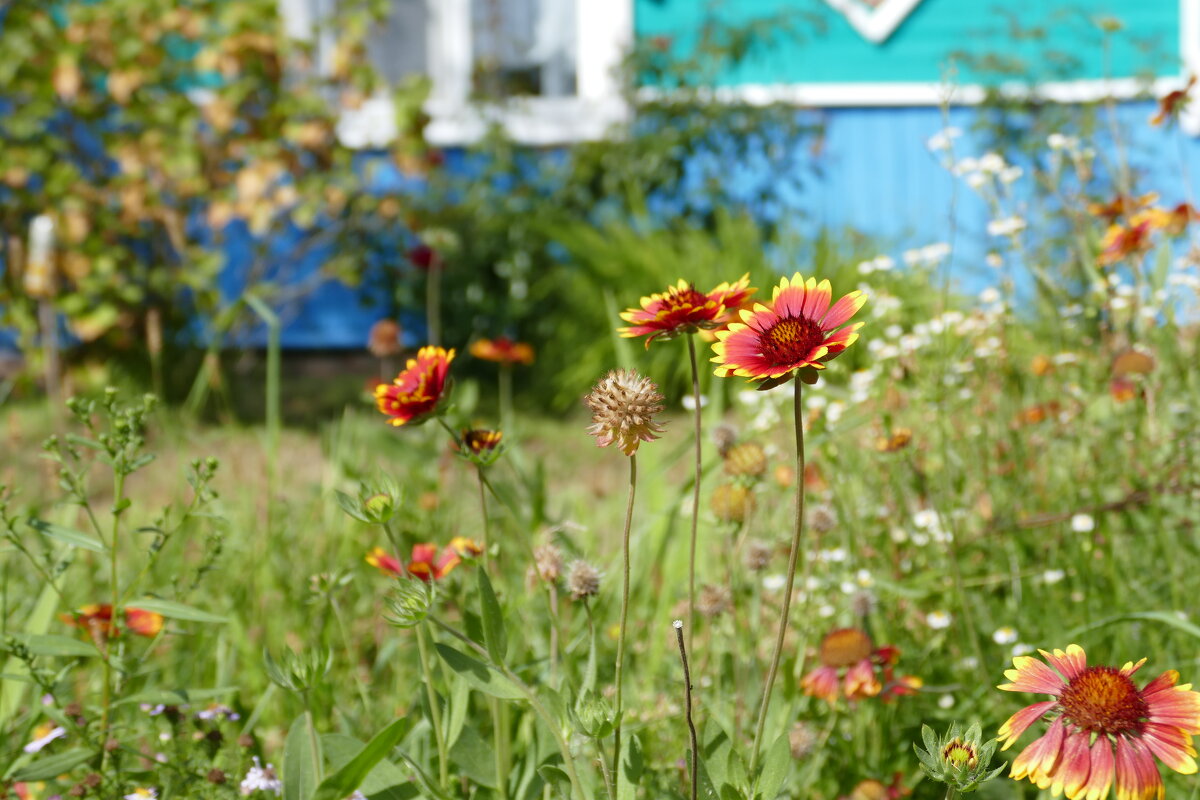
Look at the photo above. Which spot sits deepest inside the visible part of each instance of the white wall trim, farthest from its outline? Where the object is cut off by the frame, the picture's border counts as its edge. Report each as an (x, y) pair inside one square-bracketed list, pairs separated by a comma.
[(1189, 53), (874, 24)]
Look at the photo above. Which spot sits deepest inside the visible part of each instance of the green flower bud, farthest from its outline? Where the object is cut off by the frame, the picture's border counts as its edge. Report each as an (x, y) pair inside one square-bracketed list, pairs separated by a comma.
[(958, 759)]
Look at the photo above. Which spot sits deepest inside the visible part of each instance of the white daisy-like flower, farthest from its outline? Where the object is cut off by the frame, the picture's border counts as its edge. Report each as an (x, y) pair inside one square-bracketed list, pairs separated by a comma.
[(938, 620), (142, 794), (774, 583), (261, 779), (943, 139), (1052, 576), (1006, 226), (44, 735), (1021, 649), (1083, 523), (1005, 635), (946, 701), (992, 162)]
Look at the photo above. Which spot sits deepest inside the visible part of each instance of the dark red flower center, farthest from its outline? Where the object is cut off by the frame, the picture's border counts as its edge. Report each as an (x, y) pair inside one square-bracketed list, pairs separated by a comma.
[(791, 339), (845, 647), (1102, 700), (683, 300)]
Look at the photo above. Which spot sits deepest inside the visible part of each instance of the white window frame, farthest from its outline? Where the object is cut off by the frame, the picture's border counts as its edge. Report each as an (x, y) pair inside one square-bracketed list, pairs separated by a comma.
[(604, 35), (878, 23)]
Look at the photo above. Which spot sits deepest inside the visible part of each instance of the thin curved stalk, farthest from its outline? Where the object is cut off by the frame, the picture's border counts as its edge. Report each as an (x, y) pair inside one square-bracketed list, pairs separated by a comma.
[(616, 759), (793, 556), (691, 621)]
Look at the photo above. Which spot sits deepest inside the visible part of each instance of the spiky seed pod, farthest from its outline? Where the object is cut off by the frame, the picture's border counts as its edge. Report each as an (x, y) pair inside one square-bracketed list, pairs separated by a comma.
[(548, 560), (747, 460), (623, 406), (731, 502), (583, 580)]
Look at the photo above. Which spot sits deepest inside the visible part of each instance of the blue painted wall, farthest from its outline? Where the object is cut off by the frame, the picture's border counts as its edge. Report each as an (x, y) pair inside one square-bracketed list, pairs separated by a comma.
[(919, 49)]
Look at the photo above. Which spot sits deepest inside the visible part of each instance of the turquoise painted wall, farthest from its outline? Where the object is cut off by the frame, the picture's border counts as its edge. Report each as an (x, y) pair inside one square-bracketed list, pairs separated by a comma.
[(920, 48)]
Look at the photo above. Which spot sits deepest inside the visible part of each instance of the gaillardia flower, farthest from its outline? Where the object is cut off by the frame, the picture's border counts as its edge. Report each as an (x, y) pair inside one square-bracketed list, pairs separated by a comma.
[(852, 667), (623, 406), (1103, 729), (685, 309), (798, 329), (502, 350), (418, 389), (480, 441), (97, 620)]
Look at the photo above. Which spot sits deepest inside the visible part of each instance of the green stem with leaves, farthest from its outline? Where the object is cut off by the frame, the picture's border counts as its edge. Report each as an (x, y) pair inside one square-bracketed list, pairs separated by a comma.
[(793, 556), (114, 538), (435, 709), (616, 760)]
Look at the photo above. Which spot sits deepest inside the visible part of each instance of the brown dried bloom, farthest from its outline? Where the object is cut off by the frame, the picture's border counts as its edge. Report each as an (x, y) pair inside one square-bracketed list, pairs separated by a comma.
[(714, 600), (583, 580), (724, 436), (746, 459), (801, 739), (548, 560), (822, 518), (384, 338), (758, 555), (623, 406)]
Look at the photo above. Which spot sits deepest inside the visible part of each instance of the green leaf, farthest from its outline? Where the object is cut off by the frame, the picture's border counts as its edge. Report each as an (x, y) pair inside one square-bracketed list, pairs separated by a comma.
[(705, 788), (557, 779), (351, 775), (173, 610), (1167, 618), (52, 644), (474, 757), (493, 618), (631, 766), (301, 760), (385, 782), (424, 780), (775, 769), (53, 766), (479, 675), (176, 697), (67, 535), (458, 705)]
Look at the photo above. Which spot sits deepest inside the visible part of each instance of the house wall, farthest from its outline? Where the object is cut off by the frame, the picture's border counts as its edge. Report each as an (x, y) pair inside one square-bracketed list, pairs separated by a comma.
[(919, 49)]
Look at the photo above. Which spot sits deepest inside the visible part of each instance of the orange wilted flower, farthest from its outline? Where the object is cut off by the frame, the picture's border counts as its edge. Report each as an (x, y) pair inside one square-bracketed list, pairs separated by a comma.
[(1172, 104), (853, 668), (502, 350), (684, 309), (97, 619), (900, 438), (1122, 206), (797, 330), (1095, 710), (417, 390), (1121, 241)]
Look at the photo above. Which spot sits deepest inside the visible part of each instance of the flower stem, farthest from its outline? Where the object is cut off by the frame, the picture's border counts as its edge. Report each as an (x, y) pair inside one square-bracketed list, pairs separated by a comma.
[(435, 710), (691, 621), (624, 617), (951, 792), (793, 555), (487, 533), (114, 539), (687, 683)]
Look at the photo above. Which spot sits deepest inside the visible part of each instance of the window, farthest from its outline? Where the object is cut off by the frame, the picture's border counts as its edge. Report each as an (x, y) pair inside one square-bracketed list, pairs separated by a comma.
[(544, 69)]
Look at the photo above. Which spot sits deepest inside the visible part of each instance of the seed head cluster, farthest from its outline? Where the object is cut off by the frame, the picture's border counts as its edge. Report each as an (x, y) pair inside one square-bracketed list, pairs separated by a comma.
[(583, 580), (623, 406)]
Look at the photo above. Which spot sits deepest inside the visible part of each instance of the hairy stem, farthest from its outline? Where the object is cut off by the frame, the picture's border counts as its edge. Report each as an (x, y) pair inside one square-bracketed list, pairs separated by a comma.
[(624, 618)]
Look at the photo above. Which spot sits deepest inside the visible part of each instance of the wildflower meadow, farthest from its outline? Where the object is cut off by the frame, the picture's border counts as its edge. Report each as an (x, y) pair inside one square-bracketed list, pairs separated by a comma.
[(819, 521)]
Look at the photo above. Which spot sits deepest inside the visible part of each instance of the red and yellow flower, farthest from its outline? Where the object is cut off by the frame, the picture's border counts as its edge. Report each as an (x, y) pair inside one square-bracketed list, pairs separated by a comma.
[(503, 350), (427, 563), (685, 309), (797, 330), (1172, 103), (417, 390), (1103, 729), (96, 619), (1122, 241), (852, 667), (480, 441)]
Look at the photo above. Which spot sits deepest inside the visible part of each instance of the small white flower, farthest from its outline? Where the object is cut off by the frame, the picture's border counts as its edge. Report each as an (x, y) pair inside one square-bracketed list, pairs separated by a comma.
[(938, 620), (976, 180), (865, 578), (1005, 635), (1083, 523), (1006, 226), (142, 794), (943, 139), (966, 165), (946, 701), (1052, 576), (989, 295), (44, 737), (261, 779), (826, 611), (866, 267), (1057, 141), (689, 402), (992, 162), (774, 583), (884, 263), (994, 260), (834, 411), (1011, 174), (1021, 649), (925, 518)]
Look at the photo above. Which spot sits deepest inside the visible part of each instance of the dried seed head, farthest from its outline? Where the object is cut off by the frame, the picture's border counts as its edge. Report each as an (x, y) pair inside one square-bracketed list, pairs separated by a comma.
[(548, 560), (714, 600), (731, 502), (746, 459), (623, 406), (725, 437), (801, 738), (758, 555), (583, 580), (822, 518)]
